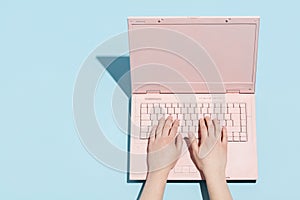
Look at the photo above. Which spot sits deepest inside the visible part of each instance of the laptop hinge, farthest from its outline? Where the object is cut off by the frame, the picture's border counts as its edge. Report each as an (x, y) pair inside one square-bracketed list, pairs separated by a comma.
[(233, 91), (153, 92)]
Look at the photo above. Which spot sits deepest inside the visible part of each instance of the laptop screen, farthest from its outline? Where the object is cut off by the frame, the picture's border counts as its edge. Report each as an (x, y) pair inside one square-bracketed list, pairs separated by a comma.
[(197, 53)]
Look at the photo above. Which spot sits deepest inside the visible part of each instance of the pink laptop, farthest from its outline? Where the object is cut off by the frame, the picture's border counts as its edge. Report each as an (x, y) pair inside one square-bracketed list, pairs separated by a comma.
[(192, 67)]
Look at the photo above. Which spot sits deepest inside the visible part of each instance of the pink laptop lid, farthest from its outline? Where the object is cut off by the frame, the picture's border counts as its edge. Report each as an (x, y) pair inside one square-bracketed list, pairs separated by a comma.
[(193, 54)]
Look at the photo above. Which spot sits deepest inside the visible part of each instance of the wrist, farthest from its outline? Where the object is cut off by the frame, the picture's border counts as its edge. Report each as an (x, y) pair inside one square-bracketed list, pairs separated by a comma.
[(161, 175), (215, 176)]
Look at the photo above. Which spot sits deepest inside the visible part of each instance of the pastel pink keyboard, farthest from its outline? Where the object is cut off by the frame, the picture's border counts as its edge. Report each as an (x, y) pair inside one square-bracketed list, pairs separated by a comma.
[(231, 115)]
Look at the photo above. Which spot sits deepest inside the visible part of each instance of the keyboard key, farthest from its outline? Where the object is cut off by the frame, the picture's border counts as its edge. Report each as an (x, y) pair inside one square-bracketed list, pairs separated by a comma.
[(144, 129), (196, 123), (199, 105), (223, 110), (236, 105), (220, 116), (174, 105), (193, 105), (199, 116), (227, 116), (234, 110), (237, 123), (185, 129), (187, 116), (177, 110), (230, 105), (222, 122), (155, 122), (180, 105), (243, 137), (242, 105), (229, 123), (193, 116), (236, 134), (166, 115), (230, 138), (192, 129), (188, 123), (150, 110), (243, 122), (174, 116), (150, 105), (144, 135), (145, 123), (182, 123), (243, 134), (180, 116), (143, 110), (204, 110), (170, 110), (163, 110), (235, 117), (236, 138), (159, 116), (191, 110), (243, 116), (168, 105), (157, 110), (145, 116), (213, 116), (210, 110), (184, 110), (232, 129), (243, 128), (243, 110), (162, 105), (217, 110), (143, 105), (205, 105)]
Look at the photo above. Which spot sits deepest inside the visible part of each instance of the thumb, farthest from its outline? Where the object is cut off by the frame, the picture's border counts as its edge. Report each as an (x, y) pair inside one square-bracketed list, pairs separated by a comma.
[(193, 142)]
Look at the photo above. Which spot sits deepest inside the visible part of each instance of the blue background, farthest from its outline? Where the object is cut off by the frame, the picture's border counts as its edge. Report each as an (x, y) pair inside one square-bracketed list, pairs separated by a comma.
[(42, 45)]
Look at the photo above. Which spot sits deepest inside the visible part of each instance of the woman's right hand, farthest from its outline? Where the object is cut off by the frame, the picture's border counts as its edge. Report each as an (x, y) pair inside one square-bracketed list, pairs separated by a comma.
[(213, 164)]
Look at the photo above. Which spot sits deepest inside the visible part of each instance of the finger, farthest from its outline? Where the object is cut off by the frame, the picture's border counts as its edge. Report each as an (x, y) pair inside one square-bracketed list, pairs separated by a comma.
[(174, 128), (203, 130), (210, 126), (167, 126), (160, 127), (199, 132), (179, 142), (224, 136), (152, 133), (216, 124), (193, 142)]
